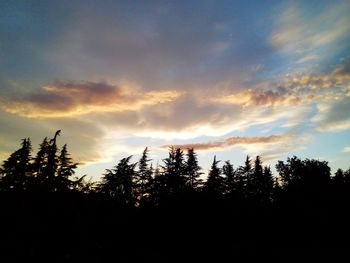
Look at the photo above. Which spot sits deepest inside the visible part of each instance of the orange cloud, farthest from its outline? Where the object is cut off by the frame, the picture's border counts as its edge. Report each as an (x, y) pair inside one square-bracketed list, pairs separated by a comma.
[(62, 99), (231, 141), (299, 89), (259, 97)]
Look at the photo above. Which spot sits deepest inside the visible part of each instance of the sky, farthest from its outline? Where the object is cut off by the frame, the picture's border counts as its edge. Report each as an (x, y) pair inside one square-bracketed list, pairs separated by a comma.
[(229, 78)]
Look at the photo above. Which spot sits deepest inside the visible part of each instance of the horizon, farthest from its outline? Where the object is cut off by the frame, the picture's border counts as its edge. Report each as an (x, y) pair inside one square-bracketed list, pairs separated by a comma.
[(227, 78)]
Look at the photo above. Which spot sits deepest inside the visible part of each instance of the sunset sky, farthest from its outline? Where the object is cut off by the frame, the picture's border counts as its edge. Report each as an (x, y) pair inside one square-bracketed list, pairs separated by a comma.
[(229, 78)]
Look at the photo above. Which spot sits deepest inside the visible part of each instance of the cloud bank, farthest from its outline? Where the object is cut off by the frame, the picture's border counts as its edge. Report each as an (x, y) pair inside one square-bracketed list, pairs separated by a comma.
[(229, 142), (65, 99)]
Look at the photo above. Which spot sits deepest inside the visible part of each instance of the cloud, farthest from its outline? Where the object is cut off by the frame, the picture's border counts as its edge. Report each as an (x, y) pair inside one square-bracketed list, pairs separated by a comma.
[(190, 117), (229, 142), (259, 97), (294, 90), (333, 116), (170, 114), (62, 99), (269, 148), (310, 34), (346, 149)]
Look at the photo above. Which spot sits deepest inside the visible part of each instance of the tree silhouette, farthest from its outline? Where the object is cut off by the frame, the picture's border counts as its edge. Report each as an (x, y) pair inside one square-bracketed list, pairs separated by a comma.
[(41, 203), (40, 162), (17, 168), (296, 173), (143, 177), (267, 185), (65, 170), (118, 182), (261, 182), (215, 182), (158, 187), (192, 171), (255, 178), (173, 170), (317, 173), (230, 177), (244, 176), (52, 163), (291, 171), (339, 178)]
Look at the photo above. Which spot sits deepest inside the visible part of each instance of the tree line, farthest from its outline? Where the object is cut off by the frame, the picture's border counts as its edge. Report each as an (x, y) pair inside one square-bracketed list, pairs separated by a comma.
[(140, 184), (138, 212)]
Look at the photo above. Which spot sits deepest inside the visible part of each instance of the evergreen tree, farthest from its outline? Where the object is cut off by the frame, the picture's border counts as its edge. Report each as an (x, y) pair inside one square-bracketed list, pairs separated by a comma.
[(84, 186), (143, 177), (52, 163), (276, 190), (247, 168), (16, 169), (214, 183), (117, 182), (157, 172), (255, 179), (179, 164), (244, 174), (65, 170), (173, 171), (192, 170), (158, 187), (230, 177), (258, 168), (267, 185), (109, 183), (40, 161), (169, 163)]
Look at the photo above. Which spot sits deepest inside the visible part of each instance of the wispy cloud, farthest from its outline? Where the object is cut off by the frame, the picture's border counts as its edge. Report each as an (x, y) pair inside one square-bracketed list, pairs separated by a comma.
[(295, 90), (309, 35), (269, 147), (333, 116), (62, 99), (229, 142), (252, 97), (167, 113)]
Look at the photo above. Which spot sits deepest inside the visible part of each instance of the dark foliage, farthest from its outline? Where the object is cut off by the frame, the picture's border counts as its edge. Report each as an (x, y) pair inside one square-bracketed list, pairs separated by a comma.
[(140, 214)]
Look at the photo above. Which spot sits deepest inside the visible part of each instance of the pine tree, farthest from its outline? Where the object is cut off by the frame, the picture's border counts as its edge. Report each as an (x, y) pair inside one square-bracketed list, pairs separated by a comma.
[(255, 179), (40, 161), (267, 185), (244, 174), (65, 170), (158, 187), (17, 168), (169, 163), (214, 183), (117, 182), (192, 170), (277, 189), (173, 170), (108, 184), (230, 177), (143, 177), (52, 162)]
